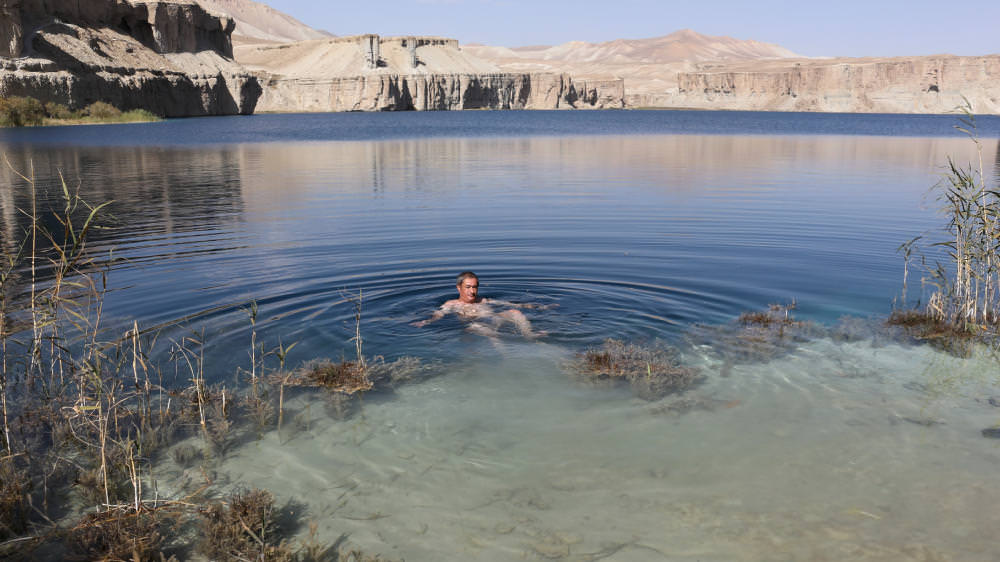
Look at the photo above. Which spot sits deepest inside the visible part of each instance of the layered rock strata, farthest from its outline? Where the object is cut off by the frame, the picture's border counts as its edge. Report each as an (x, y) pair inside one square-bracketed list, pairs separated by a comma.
[(427, 92), (170, 57), (371, 73), (935, 84)]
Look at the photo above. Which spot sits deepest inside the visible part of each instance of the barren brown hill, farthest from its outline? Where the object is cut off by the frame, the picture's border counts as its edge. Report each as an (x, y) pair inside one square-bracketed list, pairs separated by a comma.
[(681, 46), (257, 22), (648, 66)]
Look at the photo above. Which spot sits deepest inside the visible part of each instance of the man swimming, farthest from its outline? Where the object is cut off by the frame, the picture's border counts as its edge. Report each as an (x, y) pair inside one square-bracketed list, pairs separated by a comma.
[(471, 306)]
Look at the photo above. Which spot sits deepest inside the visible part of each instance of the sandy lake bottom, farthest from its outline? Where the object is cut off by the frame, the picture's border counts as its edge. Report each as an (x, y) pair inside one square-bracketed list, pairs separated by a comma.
[(835, 451)]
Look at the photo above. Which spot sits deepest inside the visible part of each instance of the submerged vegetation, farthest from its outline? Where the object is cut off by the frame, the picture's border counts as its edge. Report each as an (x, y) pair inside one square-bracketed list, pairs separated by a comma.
[(760, 335), (18, 111), (964, 303), (652, 371)]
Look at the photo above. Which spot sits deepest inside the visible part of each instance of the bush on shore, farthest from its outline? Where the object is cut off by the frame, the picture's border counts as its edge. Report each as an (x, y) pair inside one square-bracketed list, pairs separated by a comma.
[(16, 111), (21, 112)]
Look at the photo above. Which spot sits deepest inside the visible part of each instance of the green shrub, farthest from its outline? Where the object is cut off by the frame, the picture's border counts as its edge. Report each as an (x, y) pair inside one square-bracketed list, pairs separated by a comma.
[(102, 110), (20, 112), (138, 115), (55, 110)]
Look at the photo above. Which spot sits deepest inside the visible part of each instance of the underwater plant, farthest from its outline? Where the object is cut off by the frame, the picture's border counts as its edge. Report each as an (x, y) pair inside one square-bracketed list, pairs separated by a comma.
[(652, 371)]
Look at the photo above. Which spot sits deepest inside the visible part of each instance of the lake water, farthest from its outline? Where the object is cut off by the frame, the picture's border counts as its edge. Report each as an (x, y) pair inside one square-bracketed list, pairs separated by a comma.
[(641, 226)]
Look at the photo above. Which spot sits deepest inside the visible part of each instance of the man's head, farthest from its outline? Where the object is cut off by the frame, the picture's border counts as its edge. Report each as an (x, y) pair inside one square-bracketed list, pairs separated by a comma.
[(468, 287)]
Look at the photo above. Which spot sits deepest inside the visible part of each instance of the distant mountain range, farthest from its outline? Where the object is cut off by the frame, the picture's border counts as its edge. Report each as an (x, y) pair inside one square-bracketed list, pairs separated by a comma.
[(257, 22), (648, 66), (682, 69), (681, 46)]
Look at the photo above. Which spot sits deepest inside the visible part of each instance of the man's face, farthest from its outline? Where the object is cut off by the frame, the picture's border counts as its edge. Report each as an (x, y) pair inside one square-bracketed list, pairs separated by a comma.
[(468, 290)]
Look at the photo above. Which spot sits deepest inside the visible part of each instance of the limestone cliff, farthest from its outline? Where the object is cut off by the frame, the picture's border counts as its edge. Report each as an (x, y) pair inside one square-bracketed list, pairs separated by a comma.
[(170, 57), (372, 73), (259, 23), (396, 92), (934, 84)]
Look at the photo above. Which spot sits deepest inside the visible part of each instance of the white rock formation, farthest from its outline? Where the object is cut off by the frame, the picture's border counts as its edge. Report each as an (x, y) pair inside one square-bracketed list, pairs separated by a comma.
[(170, 57), (371, 73), (933, 84)]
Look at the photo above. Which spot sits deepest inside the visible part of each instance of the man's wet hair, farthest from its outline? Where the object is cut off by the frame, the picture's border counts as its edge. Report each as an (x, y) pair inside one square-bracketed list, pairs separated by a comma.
[(465, 275)]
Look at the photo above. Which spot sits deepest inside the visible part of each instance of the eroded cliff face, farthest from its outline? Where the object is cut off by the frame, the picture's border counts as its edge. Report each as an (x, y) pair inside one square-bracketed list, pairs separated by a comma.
[(935, 84), (372, 73), (170, 57), (431, 92)]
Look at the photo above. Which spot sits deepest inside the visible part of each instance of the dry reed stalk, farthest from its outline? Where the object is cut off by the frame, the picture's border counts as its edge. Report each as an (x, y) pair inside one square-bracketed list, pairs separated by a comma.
[(967, 295), (89, 401), (5, 274), (282, 354), (358, 342), (253, 345), (196, 370)]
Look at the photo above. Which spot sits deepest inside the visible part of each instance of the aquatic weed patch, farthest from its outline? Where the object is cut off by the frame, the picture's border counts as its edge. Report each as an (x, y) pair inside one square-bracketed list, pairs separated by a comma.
[(755, 336), (956, 339), (652, 371)]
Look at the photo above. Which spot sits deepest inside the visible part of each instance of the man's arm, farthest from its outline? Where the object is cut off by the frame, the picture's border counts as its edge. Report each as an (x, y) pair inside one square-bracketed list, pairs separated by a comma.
[(438, 314), (524, 305)]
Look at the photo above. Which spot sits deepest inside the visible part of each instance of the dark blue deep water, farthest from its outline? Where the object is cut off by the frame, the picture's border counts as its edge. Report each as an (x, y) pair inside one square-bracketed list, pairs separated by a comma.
[(637, 224)]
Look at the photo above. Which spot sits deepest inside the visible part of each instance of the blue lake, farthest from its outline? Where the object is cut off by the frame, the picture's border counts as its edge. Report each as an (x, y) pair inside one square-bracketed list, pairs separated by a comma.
[(638, 226)]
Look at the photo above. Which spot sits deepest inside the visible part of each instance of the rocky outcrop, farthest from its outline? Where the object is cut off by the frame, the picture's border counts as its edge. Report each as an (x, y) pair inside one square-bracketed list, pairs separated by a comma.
[(257, 22), (934, 84), (395, 92), (372, 73), (170, 57)]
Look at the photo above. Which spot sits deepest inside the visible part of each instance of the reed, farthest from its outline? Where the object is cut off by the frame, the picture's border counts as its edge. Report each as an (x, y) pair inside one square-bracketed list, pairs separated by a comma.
[(86, 415), (966, 286)]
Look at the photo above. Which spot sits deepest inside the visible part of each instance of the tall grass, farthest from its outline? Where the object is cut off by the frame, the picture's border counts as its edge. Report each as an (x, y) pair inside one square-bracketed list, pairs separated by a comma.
[(966, 287), (86, 414)]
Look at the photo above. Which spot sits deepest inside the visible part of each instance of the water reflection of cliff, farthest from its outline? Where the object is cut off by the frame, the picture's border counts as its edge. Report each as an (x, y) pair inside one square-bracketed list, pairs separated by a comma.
[(278, 175), (155, 192), (159, 191)]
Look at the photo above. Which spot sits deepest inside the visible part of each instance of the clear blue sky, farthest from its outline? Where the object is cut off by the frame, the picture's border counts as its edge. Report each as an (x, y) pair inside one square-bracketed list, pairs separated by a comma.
[(828, 28)]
